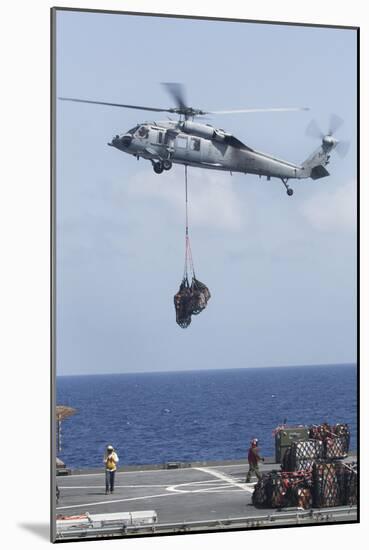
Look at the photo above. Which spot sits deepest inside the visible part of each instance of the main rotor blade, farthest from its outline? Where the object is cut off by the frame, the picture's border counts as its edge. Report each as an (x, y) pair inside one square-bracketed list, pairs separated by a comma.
[(176, 90), (272, 110), (116, 104)]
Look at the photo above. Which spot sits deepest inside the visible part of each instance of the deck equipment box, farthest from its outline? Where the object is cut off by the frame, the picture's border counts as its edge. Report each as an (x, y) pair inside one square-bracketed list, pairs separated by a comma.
[(285, 436)]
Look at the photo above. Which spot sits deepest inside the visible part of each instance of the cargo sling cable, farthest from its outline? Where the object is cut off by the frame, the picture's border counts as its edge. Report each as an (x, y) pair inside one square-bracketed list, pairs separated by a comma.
[(191, 298), (188, 251)]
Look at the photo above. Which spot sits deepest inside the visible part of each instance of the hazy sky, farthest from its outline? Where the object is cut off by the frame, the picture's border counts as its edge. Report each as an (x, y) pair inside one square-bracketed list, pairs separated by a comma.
[(281, 270)]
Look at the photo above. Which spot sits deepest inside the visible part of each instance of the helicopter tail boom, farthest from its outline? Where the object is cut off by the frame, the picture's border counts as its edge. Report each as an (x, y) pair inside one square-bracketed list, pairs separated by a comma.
[(314, 166)]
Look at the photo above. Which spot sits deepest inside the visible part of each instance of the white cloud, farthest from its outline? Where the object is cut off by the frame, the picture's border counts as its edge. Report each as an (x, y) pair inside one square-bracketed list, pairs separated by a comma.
[(333, 208), (212, 199)]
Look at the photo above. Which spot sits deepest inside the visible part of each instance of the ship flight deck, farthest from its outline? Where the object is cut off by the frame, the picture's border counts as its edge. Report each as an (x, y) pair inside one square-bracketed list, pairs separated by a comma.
[(197, 497)]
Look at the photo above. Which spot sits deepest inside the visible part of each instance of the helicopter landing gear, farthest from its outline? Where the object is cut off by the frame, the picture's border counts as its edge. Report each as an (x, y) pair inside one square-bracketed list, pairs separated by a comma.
[(167, 165), (158, 167), (289, 190)]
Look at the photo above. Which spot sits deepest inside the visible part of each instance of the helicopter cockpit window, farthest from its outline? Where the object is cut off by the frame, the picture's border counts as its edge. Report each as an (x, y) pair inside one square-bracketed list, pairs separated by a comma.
[(195, 144), (181, 142), (143, 132), (133, 130)]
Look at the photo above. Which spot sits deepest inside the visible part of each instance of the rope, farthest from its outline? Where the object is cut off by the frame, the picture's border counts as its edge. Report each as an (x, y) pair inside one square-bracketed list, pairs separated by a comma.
[(186, 193), (188, 251)]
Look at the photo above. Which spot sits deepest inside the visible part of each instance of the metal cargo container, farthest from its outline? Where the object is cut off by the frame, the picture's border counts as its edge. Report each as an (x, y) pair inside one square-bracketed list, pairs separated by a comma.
[(285, 436)]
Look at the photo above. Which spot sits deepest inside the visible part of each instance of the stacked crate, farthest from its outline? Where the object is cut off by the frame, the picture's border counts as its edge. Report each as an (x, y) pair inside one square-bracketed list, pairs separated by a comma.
[(334, 484), (301, 455), (313, 473), (283, 489)]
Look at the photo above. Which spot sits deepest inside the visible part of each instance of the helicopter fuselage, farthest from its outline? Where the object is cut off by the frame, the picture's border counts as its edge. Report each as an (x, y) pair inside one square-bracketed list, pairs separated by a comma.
[(192, 143), (202, 145)]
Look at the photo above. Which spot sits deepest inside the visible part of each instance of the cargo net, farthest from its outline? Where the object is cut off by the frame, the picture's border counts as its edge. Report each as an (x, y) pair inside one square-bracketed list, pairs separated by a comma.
[(280, 490), (191, 298), (335, 439), (350, 484), (327, 484), (301, 455)]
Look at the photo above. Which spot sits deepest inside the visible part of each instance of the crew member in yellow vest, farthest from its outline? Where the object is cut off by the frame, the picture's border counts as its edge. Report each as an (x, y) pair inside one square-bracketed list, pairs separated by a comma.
[(110, 460)]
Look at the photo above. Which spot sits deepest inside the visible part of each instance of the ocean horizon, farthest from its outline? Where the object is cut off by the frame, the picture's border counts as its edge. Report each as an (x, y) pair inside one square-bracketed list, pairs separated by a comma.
[(198, 415), (349, 364)]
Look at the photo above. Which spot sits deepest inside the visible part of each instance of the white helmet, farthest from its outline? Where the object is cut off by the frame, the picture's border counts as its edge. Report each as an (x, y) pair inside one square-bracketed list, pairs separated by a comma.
[(110, 448)]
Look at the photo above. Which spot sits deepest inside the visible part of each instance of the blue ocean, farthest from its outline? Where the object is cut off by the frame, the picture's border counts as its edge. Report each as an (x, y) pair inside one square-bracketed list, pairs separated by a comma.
[(186, 416)]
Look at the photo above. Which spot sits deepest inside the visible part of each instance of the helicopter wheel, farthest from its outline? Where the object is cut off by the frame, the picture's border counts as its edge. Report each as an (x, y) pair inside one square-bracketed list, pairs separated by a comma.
[(167, 165), (289, 190), (158, 167)]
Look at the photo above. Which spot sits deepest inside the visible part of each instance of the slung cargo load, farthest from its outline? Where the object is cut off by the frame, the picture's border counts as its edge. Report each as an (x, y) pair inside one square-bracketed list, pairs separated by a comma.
[(191, 298)]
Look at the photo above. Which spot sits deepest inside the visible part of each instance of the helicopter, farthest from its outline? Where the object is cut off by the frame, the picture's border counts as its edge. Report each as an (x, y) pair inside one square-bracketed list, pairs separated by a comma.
[(191, 143)]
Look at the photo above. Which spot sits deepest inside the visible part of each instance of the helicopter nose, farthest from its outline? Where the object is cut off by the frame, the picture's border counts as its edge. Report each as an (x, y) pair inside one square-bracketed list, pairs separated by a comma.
[(121, 141), (114, 142), (126, 140)]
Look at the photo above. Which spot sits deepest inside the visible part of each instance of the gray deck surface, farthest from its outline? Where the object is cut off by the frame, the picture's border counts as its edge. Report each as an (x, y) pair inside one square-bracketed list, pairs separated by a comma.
[(181, 495)]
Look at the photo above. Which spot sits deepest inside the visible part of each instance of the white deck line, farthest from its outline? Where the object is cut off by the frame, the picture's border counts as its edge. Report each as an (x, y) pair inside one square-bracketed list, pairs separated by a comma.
[(115, 486), (127, 472), (135, 486), (248, 487), (119, 472), (162, 470)]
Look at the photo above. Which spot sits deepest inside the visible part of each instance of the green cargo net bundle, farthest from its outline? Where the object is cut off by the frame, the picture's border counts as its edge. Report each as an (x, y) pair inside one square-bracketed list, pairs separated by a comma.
[(192, 297)]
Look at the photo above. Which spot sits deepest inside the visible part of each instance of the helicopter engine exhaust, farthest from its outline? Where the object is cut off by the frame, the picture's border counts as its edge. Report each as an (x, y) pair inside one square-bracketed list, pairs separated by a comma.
[(199, 130), (204, 131)]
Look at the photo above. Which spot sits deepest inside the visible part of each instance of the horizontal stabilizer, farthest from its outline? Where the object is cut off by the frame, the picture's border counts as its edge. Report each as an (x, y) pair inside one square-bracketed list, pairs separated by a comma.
[(318, 172)]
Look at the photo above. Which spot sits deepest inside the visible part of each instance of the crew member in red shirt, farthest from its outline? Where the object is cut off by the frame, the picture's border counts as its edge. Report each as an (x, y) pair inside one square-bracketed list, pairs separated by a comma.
[(254, 458)]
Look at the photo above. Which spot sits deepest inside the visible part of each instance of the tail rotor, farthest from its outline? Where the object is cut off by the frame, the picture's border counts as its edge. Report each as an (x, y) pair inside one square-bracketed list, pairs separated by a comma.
[(342, 148), (335, 123), (313, 130)]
